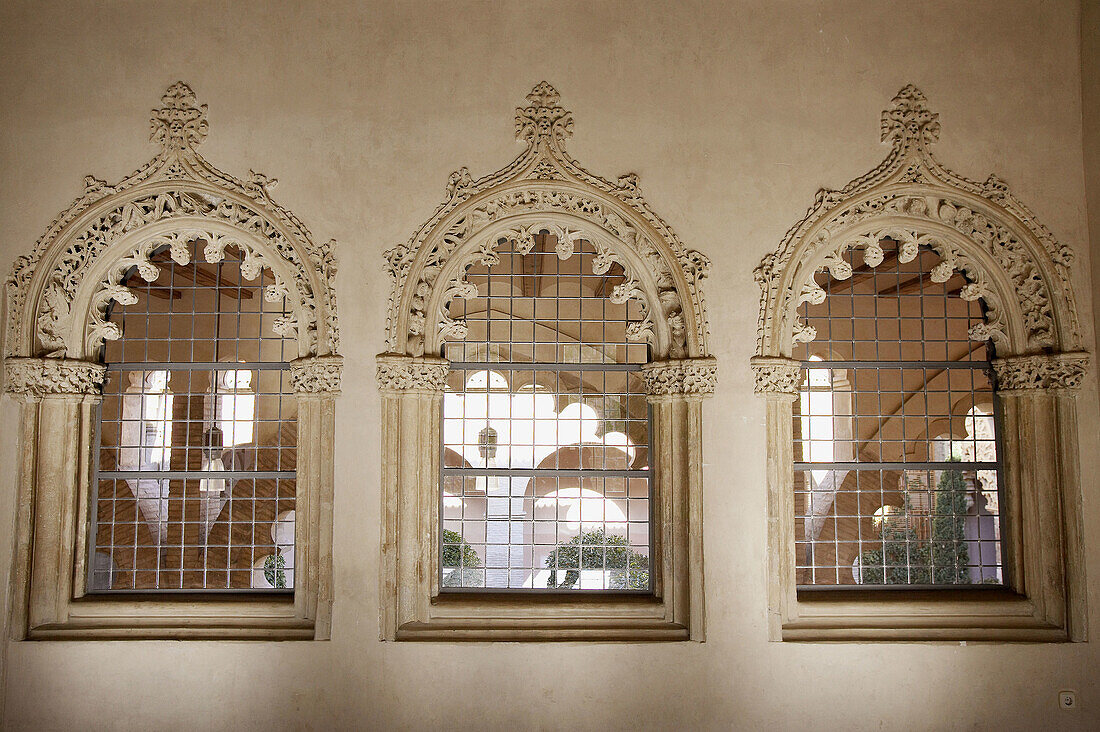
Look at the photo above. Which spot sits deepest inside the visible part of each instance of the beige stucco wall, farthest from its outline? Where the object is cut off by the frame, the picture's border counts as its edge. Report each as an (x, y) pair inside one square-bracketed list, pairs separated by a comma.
[(733, 114)]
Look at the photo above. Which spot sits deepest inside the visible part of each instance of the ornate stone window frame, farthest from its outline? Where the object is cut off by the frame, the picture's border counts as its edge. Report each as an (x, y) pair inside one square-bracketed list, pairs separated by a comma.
[(543, 188), (1023, 275), (58, 297)]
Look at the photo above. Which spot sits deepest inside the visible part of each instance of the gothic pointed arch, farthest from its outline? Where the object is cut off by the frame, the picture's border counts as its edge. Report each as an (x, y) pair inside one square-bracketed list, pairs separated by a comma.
[(544, 188), (542, 198), (909, 210), (174, 209), (1012, 262), (59, 294)]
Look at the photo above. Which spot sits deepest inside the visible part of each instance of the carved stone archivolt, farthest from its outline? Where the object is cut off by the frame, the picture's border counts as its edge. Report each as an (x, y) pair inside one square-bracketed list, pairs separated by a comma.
[(545, 189), (59, 297), (59, 294), (1022, 276), (1011, 261), (1044, 371)]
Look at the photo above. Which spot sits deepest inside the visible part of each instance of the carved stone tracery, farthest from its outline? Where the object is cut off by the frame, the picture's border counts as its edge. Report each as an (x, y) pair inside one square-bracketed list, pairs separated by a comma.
[(978, 229), (544, 189), (55, 312)]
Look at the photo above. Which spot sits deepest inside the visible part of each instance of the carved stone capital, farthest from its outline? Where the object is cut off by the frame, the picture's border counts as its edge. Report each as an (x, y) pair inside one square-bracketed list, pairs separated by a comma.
[(1043, 371), (690, 377), (398, 373), (37, 377), (317, 374), (776, 375)]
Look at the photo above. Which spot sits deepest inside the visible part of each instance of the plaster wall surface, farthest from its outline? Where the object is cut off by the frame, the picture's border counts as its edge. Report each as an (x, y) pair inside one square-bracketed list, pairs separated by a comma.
[(733, 114)]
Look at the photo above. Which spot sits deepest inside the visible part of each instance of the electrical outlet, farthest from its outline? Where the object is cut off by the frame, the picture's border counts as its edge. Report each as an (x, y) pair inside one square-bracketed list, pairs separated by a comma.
[(1067, 699)]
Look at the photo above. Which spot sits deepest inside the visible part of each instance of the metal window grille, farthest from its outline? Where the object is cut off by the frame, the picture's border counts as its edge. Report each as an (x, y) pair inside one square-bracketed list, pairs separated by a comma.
[(545, 477), (890, 385), (176, 506)]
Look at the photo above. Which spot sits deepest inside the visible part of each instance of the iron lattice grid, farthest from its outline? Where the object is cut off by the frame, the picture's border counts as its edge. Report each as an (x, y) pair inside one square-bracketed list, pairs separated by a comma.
[(172, 510), (545, 471), (891, 369)]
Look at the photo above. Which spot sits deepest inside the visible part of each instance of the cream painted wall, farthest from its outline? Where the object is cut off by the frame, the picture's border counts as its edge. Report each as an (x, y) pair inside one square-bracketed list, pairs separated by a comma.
[(733, 114)]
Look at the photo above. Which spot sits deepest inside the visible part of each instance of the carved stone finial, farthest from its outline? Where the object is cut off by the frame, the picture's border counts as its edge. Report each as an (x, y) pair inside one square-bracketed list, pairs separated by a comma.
[(543, 119), (908, 121), (180, 123)]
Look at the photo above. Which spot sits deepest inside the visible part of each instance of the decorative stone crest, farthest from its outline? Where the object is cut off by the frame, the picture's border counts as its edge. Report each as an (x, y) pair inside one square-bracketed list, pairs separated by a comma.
[(976, 228), (38, 377), (545, 189), (693, 377), (908, 121), (1044, 371), (776, 375), (53, 311), (181, 122), (543, 119), (397, 373), (317, 374)]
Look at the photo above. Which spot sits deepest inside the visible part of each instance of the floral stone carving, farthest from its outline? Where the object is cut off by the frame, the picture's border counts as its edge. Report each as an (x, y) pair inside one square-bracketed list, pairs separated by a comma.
[(46, 376), (1044, 371), (397, 373), (317, 374), (546, 189), (687, 377), (54, 312), (911, 198)]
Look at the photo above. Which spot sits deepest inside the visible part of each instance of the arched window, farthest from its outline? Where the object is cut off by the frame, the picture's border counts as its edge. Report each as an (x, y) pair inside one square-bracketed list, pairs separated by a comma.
[(541, 424), (919, 350), (547, 406), (172, 338), (210, 482)]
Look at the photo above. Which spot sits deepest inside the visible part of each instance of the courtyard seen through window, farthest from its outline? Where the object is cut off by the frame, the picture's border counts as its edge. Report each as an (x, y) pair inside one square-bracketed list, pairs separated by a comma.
[(546, 472), (197, 434), (896, 462)]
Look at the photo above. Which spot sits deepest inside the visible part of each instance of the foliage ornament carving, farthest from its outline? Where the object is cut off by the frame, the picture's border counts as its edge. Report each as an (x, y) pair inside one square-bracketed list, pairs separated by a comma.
[(1043, 371), (545, 189), (692, 377), (776, 375), (317, 374), (397, 373), (37, 377), (1011, 261), (60, 293)]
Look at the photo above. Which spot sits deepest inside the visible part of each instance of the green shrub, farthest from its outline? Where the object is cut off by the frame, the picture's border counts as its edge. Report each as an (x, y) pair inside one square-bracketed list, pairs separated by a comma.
[(629, 570), (275, 571)]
